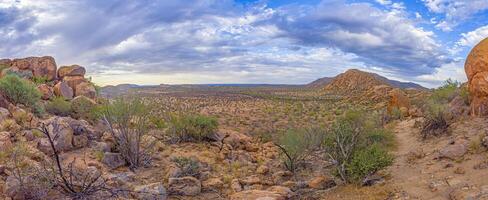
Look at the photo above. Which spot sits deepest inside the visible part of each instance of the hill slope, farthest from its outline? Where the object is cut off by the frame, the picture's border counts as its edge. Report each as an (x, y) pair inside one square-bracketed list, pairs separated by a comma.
[(355, 80)]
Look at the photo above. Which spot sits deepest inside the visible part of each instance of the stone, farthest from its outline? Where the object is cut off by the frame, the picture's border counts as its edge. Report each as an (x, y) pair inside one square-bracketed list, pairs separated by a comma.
[(458, 107), (46, 91), (113, 160), (251, 180), (5, 141), (281, 176), (86, 89), (40, 66), (398, 100), (321, 183), (154, 191), (454, 151), (102, 146), (283, 191), (61, 133), (235, 185), (213, 183), (80, 141), (13, 188), (187, 186), (476, 68), (257, 195), (62, 89), (73, 81), (4, 114), (263, 169), (73, 70)]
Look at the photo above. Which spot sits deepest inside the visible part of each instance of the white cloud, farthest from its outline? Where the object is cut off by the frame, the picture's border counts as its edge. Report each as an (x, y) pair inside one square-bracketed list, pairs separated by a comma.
[(384, 2), (470, 39), (453, 70), (455, 11)]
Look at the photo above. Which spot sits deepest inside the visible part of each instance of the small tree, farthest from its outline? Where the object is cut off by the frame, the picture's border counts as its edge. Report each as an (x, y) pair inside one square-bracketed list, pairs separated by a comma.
[(296, 145), (128, 122)]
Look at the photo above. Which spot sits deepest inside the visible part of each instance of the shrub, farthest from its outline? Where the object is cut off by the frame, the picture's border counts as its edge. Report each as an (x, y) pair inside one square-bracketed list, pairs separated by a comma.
[(192, 128), (39, 80), (367, 161), (20, 91), (352, 136), (297, 144), (188, 166), (435, 123), (59, 106), (85, 108), (128, 122), (446, 92)]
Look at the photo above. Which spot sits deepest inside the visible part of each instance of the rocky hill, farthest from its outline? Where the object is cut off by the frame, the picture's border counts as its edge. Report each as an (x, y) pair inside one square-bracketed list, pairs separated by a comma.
[(354, 80), (320, 83)]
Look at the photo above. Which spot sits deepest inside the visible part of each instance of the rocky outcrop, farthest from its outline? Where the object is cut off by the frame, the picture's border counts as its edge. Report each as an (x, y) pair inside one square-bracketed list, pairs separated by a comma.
[(46, 91), (85, 89), (40, 66), (398, 100), (476, 68), (187, 186)]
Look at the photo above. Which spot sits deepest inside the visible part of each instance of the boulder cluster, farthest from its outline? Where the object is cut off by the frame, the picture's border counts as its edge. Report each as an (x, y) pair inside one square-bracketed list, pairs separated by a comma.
[(67, 81)]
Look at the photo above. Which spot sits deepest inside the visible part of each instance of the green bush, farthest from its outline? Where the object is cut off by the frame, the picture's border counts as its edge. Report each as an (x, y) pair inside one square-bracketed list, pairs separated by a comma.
[(84, 108), (446, 92), (192, 128), (297, 144), (59, 106), (349, 136), (367, 161), (39, 80), (20, 91)]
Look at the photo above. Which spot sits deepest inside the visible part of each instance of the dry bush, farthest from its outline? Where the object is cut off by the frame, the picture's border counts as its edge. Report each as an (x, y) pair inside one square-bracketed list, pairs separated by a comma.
[(128, 122), (192, 128)]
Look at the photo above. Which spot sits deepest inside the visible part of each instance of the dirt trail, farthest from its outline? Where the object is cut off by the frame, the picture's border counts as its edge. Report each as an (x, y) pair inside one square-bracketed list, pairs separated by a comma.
[(411, 180)]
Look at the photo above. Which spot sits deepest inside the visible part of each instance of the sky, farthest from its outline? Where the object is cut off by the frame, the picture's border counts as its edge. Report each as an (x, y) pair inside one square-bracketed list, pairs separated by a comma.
[(246, 41)]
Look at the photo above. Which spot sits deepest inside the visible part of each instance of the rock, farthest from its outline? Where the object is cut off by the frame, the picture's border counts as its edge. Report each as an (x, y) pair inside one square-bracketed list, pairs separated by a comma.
[(281, 176), (113, 160), (283, 191), (398, 100), (459, 170), (235, 139), (86, 89), (80, 141), (476, 67), (257, 195), (102, 146), (63, 90), (187, 186), (321, 183), (73, 70), (61, 133), (4, 103), (13, 188), (263, 169), (40, 66), (460, 194), (458, 107), (73, 81), (235, 185), (251, 180), (154, 191), (82, 106), (213, 183), (4, 114), (44, 146), (46, 91), (454, 151), (5, 142)]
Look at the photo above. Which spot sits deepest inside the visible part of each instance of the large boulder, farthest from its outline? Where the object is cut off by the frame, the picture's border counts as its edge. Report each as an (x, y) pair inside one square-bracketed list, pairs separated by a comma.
[(74, 81), (40, 66), (86, 89), (63, 90), (476, 68), (73, 70), (82, 106), (398, 100), (46, 91)]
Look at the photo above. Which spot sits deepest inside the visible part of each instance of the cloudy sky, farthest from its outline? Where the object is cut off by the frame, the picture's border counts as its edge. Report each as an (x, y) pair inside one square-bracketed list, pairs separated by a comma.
[(246, 41)]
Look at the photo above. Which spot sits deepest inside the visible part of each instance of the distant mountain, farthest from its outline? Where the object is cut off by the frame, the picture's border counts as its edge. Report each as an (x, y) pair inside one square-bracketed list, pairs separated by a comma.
[(354, 80), (117, 90), (320, 83)]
